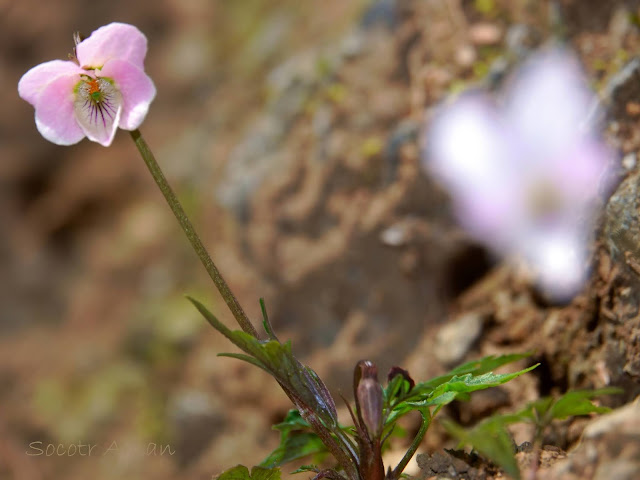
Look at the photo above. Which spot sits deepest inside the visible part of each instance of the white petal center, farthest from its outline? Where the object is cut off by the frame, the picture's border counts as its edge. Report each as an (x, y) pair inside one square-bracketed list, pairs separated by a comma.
[(98, 105)]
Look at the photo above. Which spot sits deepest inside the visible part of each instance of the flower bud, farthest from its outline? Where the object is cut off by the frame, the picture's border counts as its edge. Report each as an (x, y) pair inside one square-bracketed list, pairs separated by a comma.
[(369, 398), (395, 371)]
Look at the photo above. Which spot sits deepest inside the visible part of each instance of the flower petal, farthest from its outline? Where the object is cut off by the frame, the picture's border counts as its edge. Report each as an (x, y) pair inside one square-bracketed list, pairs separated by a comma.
[(467, 143), (548, 105), (54, 112), (586, 165), (136, 88), (558, 258), (98, 118), (469, 150), (116, 40), (39, 77)]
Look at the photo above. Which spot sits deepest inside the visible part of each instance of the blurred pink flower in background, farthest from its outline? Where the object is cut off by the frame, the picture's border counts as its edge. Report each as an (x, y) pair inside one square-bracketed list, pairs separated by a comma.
[(524, 174), (103, 88)]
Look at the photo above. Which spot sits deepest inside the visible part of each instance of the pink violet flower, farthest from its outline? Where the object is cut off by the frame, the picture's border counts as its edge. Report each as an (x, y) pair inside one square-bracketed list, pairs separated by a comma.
[(104, 88), (524, 173)]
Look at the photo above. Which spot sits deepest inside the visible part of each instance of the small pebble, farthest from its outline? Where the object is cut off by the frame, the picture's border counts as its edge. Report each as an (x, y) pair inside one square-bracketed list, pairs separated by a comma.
[(466, 56), (394, 236), (454, 339), (485, 33), (629, 161), (633, 109)]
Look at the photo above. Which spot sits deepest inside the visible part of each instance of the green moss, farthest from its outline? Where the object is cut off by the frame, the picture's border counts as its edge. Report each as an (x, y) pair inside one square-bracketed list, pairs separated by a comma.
[(485, 7), (336, 92), (371, 147), (76, 407)]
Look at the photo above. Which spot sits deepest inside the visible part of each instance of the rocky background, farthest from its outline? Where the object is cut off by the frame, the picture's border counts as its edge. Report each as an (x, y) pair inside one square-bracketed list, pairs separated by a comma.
[(291, 131)]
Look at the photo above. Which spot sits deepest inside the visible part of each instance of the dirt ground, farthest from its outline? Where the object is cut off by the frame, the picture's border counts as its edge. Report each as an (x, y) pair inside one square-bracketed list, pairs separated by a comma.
[(291, 131)]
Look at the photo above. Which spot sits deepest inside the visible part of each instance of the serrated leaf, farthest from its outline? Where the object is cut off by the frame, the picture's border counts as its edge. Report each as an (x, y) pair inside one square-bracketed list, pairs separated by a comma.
[(442, 399), (240, 472), (444, 389), (491, 439), (474, 367), (463, 385), (578, 402)]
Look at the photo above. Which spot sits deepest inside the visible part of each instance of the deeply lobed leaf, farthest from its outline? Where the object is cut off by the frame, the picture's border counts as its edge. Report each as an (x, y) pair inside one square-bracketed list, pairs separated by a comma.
[(458, 387)]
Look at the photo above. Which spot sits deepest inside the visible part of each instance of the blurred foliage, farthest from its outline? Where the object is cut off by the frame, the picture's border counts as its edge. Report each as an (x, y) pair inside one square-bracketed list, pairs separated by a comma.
[(163, 332), (77, 406), (492, 439), (74, 408), (255, 33), (296, 441), (240, 472)]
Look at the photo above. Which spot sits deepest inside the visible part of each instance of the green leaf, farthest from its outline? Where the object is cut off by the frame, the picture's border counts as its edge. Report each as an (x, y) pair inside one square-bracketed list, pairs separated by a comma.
[(442, 399), (398, 388), (261, 473), (456, 385), (294, 446), (266, 324), (240, 472), (491, 439), (301, 383), (578, 402), (293, 421), (544, 410), (474, 367), (296, 441), (244, 358), (462, 385), (538, 410), (307, 468)]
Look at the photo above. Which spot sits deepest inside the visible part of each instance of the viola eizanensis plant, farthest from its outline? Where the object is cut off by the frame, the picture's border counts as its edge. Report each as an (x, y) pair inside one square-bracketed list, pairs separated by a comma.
[(313, 427), (103, 86)]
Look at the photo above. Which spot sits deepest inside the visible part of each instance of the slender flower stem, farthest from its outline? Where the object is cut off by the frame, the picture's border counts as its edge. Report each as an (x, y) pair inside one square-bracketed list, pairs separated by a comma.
[(426, 421), (191, 234)]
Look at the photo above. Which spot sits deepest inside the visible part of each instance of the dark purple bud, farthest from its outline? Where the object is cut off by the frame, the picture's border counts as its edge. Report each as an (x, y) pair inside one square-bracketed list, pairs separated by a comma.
[(401, 371), (369, 398)]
